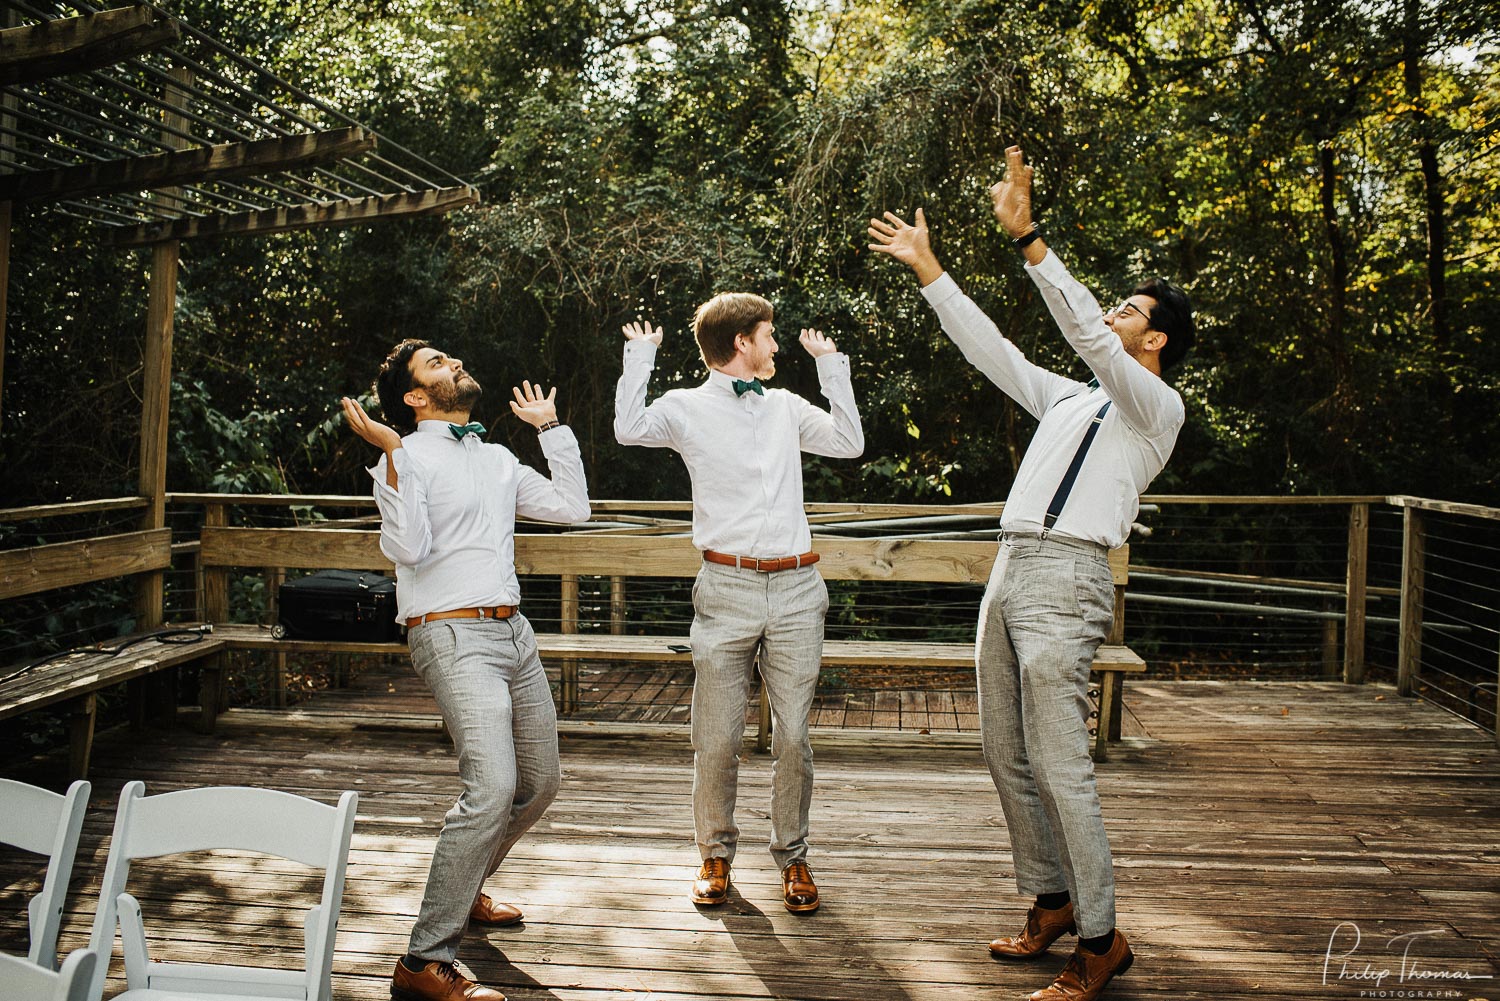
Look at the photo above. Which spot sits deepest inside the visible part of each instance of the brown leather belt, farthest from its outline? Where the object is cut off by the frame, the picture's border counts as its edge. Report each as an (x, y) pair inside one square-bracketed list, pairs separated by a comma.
[(760, 565), (491, 612)]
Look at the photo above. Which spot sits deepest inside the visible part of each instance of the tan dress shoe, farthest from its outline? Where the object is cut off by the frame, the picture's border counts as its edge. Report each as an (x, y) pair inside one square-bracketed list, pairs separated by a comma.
[(712, 885), (1043, 927), (438, 982), (1086, 975), (488, 911), (798, 889)]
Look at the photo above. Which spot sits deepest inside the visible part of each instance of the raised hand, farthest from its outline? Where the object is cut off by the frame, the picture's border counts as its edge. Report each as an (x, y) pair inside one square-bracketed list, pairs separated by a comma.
[(816, 344), (640, 330), (1012, 196), (532, 407), (368, 428), (906, 243)]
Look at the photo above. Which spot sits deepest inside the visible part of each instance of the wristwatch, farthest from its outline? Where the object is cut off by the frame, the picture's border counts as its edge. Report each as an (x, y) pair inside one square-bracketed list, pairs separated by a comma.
[(1027, 239)]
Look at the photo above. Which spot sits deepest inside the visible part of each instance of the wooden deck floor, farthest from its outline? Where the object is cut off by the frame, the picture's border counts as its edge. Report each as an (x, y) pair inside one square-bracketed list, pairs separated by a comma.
[(1250, 822)]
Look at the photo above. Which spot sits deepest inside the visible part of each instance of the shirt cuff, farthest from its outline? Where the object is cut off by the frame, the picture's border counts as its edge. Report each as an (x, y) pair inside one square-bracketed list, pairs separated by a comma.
[(642, 352), (554, 440), (377, 471), (941, 290), (833, 365), (1048, 271)]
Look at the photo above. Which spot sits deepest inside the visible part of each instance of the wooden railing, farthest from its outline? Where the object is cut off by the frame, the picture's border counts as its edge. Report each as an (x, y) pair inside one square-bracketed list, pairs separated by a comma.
[(619, 537)]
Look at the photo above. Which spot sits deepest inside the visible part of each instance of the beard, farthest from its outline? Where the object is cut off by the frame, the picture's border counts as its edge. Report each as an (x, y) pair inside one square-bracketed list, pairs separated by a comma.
[(459, 395)]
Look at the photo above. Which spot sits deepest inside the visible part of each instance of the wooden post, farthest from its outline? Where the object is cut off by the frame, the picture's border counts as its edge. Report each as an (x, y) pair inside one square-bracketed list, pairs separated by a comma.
[(1413, 585), (569, 625), (5, 219), (1331, 661), (617, 606), (81, 715), (275, 576), (156, 383), (763, 732), (1354, 594), (215, 604)]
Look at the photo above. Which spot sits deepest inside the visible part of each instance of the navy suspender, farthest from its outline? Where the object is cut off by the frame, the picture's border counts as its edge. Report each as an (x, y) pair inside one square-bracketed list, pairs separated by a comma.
[(1066, 486)]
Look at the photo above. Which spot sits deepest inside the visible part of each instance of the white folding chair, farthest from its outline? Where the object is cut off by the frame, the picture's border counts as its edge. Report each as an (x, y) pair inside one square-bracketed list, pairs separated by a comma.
[(23, 980), (230, 818), (36, 820)]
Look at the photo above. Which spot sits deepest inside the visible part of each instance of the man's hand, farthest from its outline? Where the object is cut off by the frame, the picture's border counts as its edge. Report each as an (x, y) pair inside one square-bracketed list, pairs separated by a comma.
[(368, 428), (1012, 196), (816, 344), (532, 407), (907, 244), (640, 330)]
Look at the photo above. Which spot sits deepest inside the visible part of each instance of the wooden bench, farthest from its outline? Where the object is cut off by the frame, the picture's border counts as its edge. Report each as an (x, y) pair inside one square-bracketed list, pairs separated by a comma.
[(585, 554), (74, 680)]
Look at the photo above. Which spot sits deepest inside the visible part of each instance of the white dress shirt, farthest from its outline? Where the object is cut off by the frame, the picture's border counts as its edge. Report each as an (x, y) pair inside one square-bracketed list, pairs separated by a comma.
[(450, 525), (743, 453), (1133, 442)]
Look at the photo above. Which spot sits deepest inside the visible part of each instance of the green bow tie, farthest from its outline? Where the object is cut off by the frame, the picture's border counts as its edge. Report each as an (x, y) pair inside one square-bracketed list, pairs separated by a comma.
[(741, 387), (459, 430)]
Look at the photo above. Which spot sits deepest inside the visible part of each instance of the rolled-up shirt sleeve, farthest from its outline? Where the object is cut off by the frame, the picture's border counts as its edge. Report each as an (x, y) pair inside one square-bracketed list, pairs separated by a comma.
[(565, 497), (835, 432), (405, 529), (1143, 400)]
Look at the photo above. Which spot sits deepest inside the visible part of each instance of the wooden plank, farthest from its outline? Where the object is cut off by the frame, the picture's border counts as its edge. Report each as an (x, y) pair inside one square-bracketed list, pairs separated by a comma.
[(1413, 588), (1446, 507), (67, 45), (189, 166), (346, 212), (36, 512), (156, 391), (274, 500), (1354, 601), (87, 671), (63, 564), (1336, 500), (564, 554)]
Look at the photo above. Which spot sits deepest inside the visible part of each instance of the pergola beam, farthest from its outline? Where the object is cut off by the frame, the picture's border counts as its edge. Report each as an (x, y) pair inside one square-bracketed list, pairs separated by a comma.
[(190, 166), (78, 44), (341, 213)]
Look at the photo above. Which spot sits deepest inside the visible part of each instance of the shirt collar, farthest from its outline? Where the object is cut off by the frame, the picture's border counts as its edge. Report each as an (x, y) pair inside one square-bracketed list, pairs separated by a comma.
[(434, 427)]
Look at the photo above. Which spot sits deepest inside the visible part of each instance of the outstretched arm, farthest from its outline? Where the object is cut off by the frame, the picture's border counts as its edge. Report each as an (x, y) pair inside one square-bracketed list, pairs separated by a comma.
[(835, 432), (636, 423), (565, 497), (1012, 204), (400, 492)]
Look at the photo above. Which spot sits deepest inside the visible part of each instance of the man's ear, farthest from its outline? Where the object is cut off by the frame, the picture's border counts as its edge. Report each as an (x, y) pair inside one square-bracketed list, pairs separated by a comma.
[(1155, 340), (741, 343), (415, 398)]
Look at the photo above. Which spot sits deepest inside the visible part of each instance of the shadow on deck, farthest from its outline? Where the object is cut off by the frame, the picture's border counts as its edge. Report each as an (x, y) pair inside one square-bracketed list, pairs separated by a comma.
[(1252, 823)]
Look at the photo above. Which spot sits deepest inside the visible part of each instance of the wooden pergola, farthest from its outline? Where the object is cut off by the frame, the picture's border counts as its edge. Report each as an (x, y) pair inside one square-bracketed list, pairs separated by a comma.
[(154, 132)]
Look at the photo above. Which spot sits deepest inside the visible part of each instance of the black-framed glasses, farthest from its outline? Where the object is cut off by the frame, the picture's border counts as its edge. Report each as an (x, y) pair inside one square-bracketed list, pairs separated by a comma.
[(1125, 307)]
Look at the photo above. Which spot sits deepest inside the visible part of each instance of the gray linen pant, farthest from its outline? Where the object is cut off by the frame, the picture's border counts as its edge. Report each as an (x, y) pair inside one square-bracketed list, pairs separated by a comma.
[(1047, 608), (737, 613), (492, 691)]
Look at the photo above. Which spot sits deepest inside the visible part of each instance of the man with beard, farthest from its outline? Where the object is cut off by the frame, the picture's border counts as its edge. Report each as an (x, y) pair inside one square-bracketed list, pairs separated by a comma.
[(1049, 602), (448, 505), (758, 593)]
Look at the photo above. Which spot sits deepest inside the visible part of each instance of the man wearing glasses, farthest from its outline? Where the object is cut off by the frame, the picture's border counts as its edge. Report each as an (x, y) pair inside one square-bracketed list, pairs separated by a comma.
[(1049, 602)]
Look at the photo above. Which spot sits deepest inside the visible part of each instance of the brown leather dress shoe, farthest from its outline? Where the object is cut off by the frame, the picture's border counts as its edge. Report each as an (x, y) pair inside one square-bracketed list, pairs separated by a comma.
[(488, 911), (712, 885), (1043, 927), (438, 982), (1086, 975), (798, 889)]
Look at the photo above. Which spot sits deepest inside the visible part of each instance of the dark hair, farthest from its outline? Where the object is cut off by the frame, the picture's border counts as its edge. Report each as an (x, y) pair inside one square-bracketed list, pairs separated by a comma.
[(723, 318), (394, 382), (1173, 316)]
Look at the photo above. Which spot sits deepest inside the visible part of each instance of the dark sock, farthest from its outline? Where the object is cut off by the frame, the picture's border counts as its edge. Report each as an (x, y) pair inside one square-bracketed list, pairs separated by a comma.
[(413, 963), (1100, 944), (1052, 901)]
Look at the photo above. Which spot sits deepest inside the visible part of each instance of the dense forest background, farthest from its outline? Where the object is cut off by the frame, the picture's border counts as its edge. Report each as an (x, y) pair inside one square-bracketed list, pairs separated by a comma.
[(1319, 174)]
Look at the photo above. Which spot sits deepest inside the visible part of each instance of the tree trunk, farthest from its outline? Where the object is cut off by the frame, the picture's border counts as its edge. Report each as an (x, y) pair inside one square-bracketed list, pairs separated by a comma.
[(1338, 347), (1412, 51)]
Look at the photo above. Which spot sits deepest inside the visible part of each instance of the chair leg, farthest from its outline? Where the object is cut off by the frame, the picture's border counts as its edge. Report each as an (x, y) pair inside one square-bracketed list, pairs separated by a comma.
[(1117, 709), (210, 677), (81, 735)]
